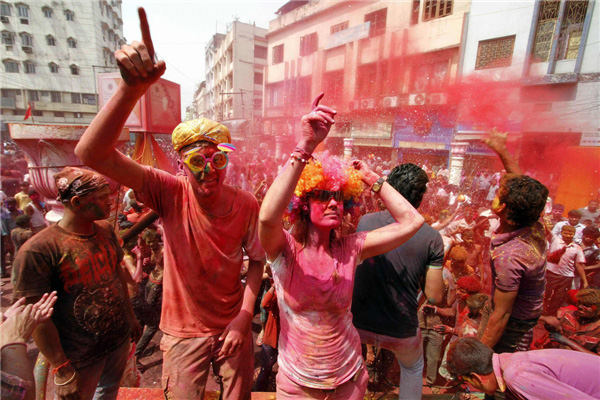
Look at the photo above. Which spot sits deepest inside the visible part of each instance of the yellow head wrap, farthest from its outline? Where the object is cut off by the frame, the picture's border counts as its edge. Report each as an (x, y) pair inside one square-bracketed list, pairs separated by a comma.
[(189, 132)]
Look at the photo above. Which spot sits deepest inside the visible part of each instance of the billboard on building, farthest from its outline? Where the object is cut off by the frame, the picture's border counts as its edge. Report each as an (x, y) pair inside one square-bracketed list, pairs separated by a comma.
[(158, 111)]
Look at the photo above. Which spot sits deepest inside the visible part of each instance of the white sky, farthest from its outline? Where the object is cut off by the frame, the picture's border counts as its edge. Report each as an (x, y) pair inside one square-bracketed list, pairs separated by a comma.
[(181, 29)]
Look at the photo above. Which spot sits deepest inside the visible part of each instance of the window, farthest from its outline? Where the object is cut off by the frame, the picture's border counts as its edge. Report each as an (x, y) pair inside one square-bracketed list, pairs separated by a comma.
[(26, 39), (76, 98), (50, 40), (74, 69), (10, 66), (308, 44), (69, 15), (571, 30), (437, 9), (260, 52), (5, 9), (414, 14), (8, 38), (339, 27), (47, 12), (258, 78), (547, 17), (275, 92), (89, 99), (278, 54), (78, 115), (495, 53), (365, 80), (33, 95), (29, 67), (72, 43), (55, 97), (333, 85), (37, 113), (23, 11), (432, 77), (378, 21), (53, 68), (59, 114)]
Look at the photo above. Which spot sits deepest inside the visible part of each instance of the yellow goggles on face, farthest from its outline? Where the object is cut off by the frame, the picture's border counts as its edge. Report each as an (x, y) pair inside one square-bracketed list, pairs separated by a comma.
[(197, 162)]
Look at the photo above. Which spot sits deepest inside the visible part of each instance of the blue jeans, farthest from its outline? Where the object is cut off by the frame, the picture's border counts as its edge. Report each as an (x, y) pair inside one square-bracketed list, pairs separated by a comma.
[(409, 353), (268, 359), (100, 381)]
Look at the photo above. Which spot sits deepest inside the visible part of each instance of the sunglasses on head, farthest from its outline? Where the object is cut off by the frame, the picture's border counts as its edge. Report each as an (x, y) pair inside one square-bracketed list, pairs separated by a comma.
[(324, 196), (196, 161)]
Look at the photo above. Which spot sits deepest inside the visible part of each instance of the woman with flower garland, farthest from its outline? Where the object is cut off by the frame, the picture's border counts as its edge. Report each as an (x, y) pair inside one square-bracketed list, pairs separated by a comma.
[(313, 267)]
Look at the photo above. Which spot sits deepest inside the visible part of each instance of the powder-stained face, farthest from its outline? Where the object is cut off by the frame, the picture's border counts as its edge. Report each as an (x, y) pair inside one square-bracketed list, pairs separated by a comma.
[(496, 205), (567, 234), (557, 213), (586, 311), (593, 206), (206, 182), (95, 205), (326, 214), (574, 219), (11, 206)]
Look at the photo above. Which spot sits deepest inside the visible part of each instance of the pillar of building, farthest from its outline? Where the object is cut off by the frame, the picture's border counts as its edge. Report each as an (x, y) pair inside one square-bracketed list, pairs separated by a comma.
[(457, 160), (278, 146), (348, 147)]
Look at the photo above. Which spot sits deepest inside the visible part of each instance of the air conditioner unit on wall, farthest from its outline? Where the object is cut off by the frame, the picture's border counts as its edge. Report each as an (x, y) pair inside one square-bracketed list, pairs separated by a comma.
[(354, 105), (4, 19), (390, 101), (416, 99), (367, 104), (27, 49), (438, 98)]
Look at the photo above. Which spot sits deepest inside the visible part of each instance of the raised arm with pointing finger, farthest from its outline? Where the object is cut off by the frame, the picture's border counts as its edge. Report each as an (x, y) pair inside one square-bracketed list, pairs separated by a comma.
[(208, 226), (97, 145)]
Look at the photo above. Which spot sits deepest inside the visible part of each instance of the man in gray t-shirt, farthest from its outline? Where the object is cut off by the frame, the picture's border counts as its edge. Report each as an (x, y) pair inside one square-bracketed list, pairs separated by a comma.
[(384, 302)]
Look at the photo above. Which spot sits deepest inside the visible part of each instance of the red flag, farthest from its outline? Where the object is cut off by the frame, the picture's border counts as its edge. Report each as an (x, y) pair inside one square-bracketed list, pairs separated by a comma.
[(28, 112)]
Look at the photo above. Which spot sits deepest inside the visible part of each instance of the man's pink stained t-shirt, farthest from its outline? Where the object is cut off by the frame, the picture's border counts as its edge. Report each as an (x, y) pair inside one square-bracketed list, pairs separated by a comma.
[(318, 345), (202, 290)]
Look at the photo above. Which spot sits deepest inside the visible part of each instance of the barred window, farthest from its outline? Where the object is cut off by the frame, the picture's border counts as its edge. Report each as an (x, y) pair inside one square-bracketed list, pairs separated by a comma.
[(339, 27), (308, 44), (378, 20), (437, 9), (278, 54), (547, 17), (29, 67), (571, 30), (495, 53)]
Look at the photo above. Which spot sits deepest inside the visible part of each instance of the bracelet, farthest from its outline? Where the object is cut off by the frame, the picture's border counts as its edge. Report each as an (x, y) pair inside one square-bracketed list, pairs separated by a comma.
[(13, 344), (67, 382), (55, 370), (293, 157), (303, 153), (435, 309)]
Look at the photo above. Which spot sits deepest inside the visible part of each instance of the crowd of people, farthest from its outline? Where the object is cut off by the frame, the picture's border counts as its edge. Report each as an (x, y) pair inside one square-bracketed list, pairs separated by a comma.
[(482, 285)]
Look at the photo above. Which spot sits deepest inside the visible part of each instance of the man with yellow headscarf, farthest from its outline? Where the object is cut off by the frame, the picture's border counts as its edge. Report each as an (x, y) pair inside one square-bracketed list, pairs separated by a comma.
[(206, 312)]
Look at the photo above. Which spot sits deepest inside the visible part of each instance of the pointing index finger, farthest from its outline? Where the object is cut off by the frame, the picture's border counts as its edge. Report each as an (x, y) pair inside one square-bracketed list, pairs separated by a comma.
[(146, 38), (317, 100)]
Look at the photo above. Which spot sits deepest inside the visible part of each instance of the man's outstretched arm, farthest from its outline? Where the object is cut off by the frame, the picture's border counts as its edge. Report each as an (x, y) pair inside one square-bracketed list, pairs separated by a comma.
[(497, 142), (96, 148)]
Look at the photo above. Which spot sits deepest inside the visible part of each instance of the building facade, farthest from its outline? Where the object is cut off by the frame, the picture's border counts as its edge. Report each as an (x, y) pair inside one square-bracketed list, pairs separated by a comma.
[(546, 56), (51, 53), (384, 66), (235, 64)]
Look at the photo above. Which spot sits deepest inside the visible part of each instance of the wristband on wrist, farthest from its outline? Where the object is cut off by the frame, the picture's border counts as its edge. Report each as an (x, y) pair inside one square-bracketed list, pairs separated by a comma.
[(303, 153), (66, 382), (55, 370), (14, 344)]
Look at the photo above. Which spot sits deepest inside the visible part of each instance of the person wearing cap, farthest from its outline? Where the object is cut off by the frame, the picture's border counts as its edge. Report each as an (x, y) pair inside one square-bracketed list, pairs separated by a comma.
[(208, 225), (87, 340)]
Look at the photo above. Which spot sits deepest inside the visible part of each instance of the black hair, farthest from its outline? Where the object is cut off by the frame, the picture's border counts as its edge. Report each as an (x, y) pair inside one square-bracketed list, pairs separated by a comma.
[(590, 231), (468, 355), (525, 199), (22, 221), (410, 181)]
